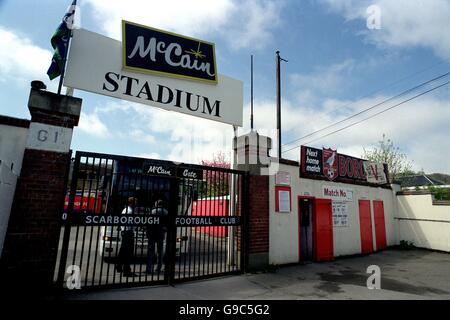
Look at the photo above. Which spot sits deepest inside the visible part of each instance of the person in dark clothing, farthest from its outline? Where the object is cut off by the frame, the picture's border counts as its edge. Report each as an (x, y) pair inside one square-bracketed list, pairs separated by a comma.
[(127, 245), (156, 235)]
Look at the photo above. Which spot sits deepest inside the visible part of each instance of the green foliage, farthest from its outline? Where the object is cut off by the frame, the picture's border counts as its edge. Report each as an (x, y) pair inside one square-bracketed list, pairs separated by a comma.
[(440, 193), (386, 152), (444, 178), (215, 184), (406, 245)]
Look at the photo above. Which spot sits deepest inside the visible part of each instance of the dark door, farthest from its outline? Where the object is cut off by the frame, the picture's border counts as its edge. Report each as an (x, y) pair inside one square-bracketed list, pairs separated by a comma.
[(305, 230)]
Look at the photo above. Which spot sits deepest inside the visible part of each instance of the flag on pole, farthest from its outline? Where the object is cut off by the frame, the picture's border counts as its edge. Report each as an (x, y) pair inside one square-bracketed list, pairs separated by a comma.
[(60, 42)]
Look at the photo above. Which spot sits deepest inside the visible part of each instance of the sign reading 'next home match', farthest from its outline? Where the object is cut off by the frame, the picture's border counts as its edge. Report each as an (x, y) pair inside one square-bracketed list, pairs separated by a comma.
[(151, 50), (333, 166)]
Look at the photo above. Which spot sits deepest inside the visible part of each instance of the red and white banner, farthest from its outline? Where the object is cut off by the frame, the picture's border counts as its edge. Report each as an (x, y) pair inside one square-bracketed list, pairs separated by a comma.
[(375, 172)]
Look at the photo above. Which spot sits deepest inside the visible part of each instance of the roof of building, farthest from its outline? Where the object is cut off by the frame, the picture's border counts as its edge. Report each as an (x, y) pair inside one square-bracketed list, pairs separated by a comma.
[(418, 180)]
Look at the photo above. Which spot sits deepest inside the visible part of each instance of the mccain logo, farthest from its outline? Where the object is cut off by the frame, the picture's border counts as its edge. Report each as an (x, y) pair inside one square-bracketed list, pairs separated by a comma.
[(157, 170), (151, 50)]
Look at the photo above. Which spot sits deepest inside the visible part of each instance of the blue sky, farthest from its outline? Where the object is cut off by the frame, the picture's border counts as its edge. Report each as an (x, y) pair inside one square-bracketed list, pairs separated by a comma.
[(337, 67)]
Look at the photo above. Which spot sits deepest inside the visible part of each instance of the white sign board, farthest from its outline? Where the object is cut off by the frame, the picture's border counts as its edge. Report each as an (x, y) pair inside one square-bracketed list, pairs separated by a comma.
[(340, 214), (375, 172), (284, 201), (49, 138), (95, 65), (337, 193), (283, 178)]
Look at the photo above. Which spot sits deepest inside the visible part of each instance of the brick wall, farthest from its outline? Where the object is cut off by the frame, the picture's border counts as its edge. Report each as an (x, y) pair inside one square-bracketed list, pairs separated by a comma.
[(28, 261), (33, 231), (258, 205)]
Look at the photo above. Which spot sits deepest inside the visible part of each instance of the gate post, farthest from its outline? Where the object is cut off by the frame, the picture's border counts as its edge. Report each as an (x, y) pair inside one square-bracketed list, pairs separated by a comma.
[(32, 238), (253, 156)]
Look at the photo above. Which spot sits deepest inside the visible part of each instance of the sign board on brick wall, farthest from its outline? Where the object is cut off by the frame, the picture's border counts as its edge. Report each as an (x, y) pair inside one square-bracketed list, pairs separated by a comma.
[(49, 138)]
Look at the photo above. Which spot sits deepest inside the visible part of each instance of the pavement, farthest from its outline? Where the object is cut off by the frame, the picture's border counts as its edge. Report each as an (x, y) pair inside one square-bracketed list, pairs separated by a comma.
[(405, 275)]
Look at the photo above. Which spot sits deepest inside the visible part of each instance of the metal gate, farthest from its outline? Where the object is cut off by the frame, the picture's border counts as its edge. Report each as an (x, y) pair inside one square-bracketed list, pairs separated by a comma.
[(132, 221)]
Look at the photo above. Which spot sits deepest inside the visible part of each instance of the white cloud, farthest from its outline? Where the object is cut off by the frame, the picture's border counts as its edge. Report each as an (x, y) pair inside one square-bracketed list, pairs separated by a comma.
[(419, 128), (140, 136), (92, 125), (151, 155), (404, 23), (178, 137), (242, 23), (22, 61), (252, 23), (324, 81)]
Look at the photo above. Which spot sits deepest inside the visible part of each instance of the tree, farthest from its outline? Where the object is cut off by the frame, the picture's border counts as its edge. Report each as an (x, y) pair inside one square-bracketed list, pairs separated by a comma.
[(386, 152), (216, 183)]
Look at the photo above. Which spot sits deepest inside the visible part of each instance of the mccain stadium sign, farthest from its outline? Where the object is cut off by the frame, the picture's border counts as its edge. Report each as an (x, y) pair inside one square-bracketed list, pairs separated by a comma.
[(160, 52), (155, 68), (327, 164)]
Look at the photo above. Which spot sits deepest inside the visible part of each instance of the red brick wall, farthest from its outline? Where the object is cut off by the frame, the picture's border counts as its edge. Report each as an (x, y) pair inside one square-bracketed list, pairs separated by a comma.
[(258, 205), (32, 238), (33, 230)]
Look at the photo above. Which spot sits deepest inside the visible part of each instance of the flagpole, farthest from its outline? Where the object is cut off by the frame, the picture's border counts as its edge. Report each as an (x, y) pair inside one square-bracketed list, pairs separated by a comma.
[(63, 71)]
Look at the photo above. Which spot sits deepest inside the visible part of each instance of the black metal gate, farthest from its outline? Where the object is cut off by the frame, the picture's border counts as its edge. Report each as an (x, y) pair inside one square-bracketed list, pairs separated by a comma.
[(132, 221)]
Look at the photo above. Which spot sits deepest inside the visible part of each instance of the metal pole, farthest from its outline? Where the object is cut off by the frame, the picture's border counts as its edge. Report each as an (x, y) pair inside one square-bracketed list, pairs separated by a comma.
[(278, 104), (279, 59), (251, 95), (230, 256), (63, 71)]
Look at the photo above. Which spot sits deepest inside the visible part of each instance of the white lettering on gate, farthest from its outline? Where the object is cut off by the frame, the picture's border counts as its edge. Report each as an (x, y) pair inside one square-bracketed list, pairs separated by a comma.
[(173, 49), (193, 221), (189, 174), (159, 170)]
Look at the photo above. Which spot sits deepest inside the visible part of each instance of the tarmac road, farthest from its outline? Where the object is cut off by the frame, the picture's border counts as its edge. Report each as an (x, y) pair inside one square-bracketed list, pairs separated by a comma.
[(413, 274)]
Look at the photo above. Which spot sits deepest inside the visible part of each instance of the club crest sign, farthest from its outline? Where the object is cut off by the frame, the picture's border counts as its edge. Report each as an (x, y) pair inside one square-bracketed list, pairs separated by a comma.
[(150, 50), (330, 163)]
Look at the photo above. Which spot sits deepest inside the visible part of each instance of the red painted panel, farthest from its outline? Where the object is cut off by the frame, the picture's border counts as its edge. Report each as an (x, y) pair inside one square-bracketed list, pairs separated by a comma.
[(211, 207), (365, 223), (323, 225), (380, 226), (86, 203)]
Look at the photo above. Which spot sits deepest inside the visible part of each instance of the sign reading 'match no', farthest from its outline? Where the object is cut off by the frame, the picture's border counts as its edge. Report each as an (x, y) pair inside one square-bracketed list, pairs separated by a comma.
[(95, 64)]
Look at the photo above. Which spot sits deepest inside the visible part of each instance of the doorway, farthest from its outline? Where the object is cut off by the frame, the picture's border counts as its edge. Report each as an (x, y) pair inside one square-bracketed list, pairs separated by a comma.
[(306, 230)]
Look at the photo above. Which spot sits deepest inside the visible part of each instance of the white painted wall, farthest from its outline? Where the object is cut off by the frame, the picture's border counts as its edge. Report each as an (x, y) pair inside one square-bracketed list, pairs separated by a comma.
[(426, 225), (12, 147), (7, 187), (283, 232)]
